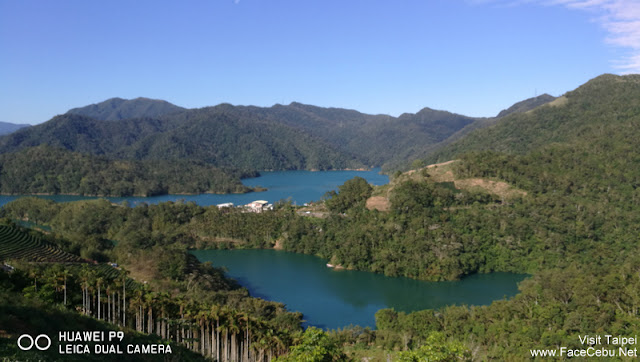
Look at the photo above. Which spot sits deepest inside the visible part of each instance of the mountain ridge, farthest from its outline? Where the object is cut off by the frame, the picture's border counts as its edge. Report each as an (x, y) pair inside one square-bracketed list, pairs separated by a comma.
[(604, 103), (280, 137), (7, 127), (527, 105), (295, 136), (115, 109)]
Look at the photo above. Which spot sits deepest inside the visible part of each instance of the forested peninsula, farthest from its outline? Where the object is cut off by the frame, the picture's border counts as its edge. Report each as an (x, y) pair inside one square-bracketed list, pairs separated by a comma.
[(52, 171)]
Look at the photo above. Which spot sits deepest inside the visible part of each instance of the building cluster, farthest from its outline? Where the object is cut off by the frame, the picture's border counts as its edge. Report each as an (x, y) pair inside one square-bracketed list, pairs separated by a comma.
[(254, 206)]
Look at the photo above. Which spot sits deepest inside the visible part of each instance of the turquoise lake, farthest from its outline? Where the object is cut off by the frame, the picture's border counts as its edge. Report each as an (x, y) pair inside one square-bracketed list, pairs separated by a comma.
[(298, 186), (337, 298)]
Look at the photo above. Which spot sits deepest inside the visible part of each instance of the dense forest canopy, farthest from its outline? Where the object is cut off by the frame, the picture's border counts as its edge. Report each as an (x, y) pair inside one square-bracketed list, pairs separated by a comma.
[(604, 109), (49, 170), (115, 109), (156, 287), (6, 128), (282, 137)]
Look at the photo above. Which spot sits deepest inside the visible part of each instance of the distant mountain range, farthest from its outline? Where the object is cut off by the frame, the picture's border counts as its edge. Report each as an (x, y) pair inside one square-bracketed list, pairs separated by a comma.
[(116, 109), (281, 137), (6, 128)]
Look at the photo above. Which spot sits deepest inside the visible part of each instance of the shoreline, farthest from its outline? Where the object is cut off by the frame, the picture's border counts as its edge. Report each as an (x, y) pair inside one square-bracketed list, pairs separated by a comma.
[(262, 189), (361, 169)]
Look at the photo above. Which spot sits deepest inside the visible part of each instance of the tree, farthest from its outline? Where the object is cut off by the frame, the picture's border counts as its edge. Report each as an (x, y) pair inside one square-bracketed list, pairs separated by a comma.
[(436, 349), (412, 196), (350, 194), (315, 346), (65, 274)]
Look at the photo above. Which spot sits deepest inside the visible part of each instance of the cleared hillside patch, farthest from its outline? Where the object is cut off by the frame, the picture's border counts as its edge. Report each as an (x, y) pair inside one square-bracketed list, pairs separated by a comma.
[(380, 203), (442, 173)]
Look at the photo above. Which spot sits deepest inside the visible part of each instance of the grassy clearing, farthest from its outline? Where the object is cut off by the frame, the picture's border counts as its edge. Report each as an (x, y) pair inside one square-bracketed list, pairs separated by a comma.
[(440, 173)]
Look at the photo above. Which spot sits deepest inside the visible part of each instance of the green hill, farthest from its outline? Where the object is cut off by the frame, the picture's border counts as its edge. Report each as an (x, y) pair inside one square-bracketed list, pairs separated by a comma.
[(295, 136), (6, 128), (214, 135), (281, 137), (115, 109), (373, 139), (226, 136), (49, 170), (604, 109), (83, 134), (553, 191), (527, 105)]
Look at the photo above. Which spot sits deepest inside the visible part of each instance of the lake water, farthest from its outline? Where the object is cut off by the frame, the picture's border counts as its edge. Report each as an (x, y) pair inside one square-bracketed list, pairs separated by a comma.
[(336, 298), (298, 186)]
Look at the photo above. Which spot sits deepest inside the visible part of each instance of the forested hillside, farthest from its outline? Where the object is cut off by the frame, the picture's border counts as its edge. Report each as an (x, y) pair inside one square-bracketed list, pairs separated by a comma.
[(6, 128), (158, 294), (49, 170), (578, 161), (281, 137), (295, 136), (212, 135), (115, 109), (223, 136), (374, 139), (602, 110), (84, 134), (553, 192), (527, 105)]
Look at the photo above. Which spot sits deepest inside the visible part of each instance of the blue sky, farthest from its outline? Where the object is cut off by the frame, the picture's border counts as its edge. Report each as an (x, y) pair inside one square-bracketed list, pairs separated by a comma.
[(473, 57)]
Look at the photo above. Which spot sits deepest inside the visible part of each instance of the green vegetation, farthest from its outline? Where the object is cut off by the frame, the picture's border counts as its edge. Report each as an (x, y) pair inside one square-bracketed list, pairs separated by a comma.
[(352, 193), (431, 233), (6, 128), (567, 214), (48, 170), (527, 105), (575, 230), (315, 346), (15, 244), (116, 109), (552, 309), (163, 291), (604, 110), (215, 136), (436, 349), (373, 139), (33, 316), (295, 136)]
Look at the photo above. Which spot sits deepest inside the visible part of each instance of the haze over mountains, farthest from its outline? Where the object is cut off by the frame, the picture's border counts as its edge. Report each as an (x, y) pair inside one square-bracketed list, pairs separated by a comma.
[(281, 137), (6, 128)]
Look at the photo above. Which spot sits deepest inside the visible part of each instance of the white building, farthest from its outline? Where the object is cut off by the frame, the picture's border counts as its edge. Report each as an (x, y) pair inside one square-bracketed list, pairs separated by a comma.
[(259, 206)]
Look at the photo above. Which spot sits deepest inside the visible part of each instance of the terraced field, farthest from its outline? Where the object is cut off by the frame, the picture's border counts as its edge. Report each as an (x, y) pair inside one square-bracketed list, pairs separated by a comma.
[(16, 244)]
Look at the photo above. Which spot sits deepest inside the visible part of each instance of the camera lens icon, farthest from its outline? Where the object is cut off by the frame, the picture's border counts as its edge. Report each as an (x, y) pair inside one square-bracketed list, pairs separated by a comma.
[(41, 342)]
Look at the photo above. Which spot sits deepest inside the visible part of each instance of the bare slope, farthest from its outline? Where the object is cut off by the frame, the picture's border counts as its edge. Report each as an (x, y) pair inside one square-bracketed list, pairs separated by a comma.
[(442, 173)]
